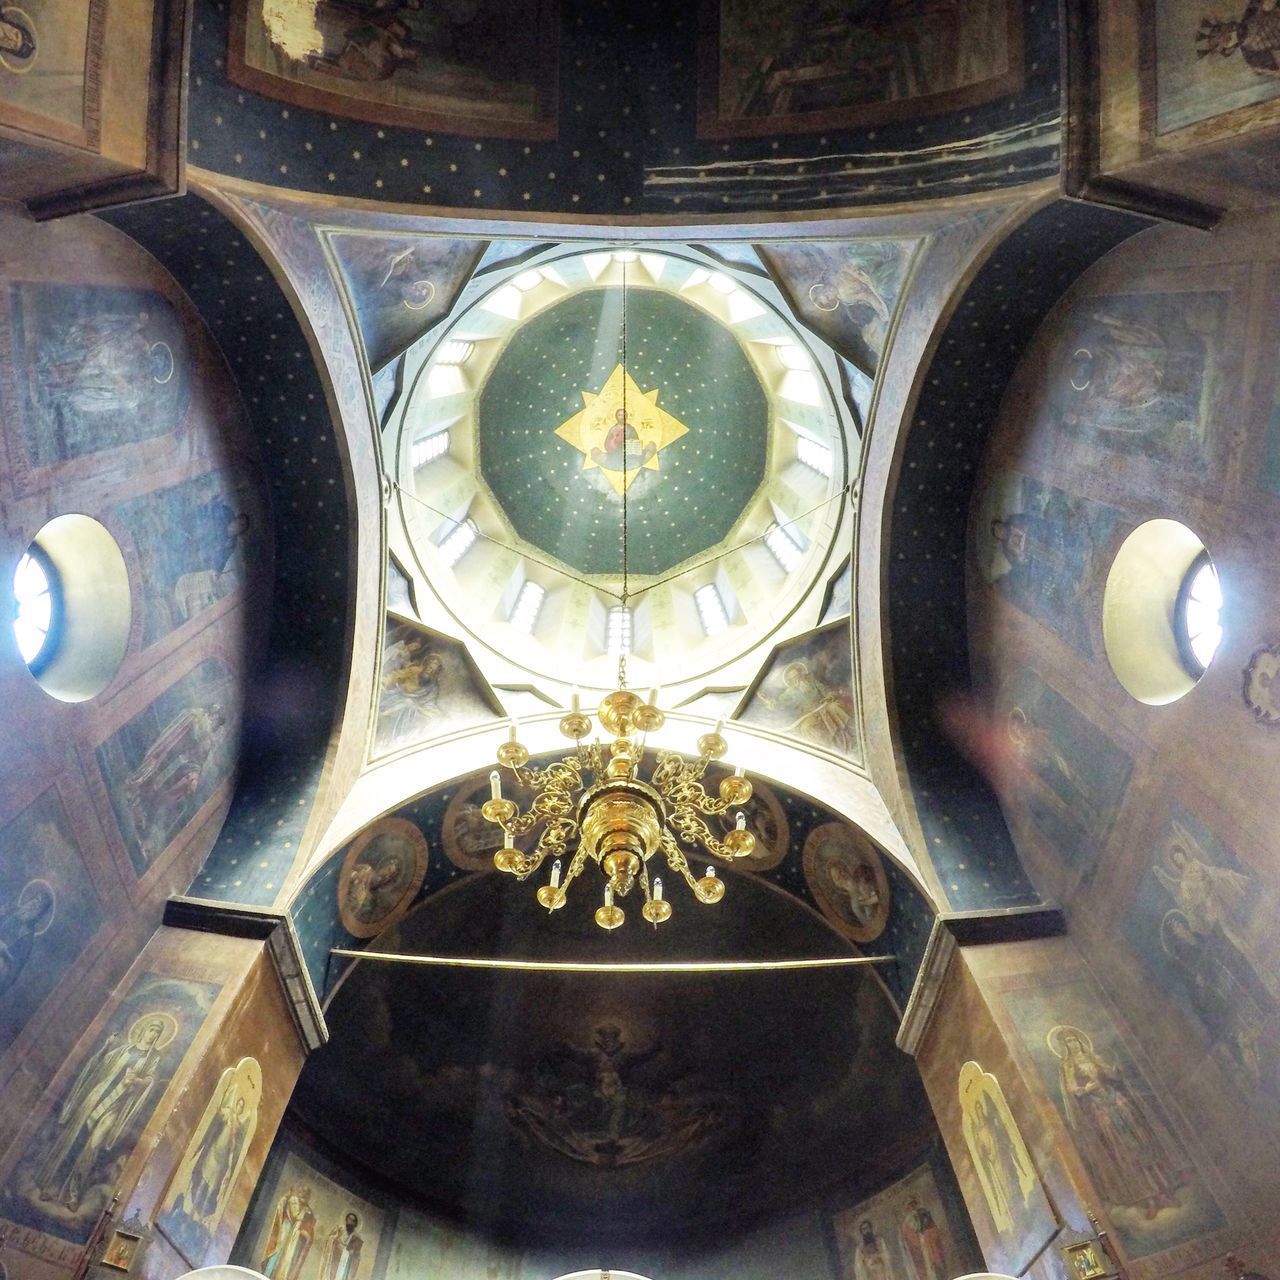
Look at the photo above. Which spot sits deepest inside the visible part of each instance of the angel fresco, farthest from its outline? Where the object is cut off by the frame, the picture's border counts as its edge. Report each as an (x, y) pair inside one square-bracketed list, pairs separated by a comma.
[(410, 701), (1218, 905), (1254, 35)]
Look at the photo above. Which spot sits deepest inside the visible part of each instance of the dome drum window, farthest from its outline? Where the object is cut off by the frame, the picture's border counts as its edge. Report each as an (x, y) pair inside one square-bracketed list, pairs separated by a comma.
[(1161, 612), (37, 593)]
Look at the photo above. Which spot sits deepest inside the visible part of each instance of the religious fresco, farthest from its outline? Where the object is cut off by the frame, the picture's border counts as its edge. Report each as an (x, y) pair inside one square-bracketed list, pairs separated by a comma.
[(766, 820), (691, 427), (193, 541), (1067, 775), (50, 56), (845, 874), (904, 1233), (1259, 686), (101, 366), (400, 285), (626, 1102), (427, 687), (1044, 550), (489, 67), (1011, 1187), (785, 66), (48, 909), (1139, 373), (197, 1196), (307, 1227), (382, 871), (71, 1165), (1212, 58), (1204, 926), (1151, 1191), (470, 840), (806, 692), (845, 292), (164, 764), (589, 1098)]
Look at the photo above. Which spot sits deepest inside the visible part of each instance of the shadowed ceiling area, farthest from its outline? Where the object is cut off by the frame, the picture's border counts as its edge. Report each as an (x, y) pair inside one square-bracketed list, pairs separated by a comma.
[(601, 1107)]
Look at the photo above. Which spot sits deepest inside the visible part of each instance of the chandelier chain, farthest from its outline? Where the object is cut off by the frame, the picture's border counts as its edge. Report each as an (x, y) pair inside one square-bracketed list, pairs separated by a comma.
[(626, 605)]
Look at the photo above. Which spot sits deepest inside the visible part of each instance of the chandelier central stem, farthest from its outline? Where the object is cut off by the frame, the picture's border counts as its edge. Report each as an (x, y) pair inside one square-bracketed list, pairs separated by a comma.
[(626, 485)]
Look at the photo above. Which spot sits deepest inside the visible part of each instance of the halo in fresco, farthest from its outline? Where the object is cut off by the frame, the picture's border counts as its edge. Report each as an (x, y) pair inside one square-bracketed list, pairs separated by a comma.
[(381, 874), (846, 876)]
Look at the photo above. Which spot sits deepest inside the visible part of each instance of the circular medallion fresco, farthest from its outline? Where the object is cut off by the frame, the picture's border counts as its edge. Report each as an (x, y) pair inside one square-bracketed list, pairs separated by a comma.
[(557, 449), (381, 874), (844, 873)]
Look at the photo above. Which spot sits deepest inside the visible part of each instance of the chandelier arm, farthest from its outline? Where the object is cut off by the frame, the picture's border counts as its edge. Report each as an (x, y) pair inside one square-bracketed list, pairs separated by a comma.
[(563, 774), (677, 861), (691, 828), (575, 868)]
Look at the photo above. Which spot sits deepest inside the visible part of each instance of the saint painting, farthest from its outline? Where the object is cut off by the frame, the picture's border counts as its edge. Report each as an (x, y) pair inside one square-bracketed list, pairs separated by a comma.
[(381, 873), (342, 1248), (1011, 1187), (215, 1155), (846, 876), (71, 1165), (486, 67), (106, 367), (807, 692), (292, 1233), (903, 1232), (1135, 1161)]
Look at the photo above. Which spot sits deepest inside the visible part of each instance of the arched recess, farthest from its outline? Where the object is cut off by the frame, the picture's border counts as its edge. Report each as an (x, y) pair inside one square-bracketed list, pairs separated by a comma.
[(255, 316), (315, 907), (469, 1065), (952, 405)]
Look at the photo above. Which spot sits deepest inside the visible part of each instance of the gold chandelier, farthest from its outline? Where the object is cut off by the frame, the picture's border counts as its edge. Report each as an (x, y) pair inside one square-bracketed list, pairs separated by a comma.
[(594, 805)]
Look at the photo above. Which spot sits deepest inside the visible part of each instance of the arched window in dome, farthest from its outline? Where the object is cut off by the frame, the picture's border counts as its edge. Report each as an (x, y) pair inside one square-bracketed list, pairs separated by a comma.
[(37, 595), (1197, 615)]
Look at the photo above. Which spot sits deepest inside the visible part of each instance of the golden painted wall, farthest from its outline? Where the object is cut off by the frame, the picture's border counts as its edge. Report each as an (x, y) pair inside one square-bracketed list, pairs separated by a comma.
[(1149, 392)]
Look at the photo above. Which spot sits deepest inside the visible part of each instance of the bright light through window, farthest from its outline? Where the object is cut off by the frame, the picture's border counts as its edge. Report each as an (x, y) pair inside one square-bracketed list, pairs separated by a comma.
[(458, 542), (455, 351), (524, 614), (786, 550), (711, 609), (619, 631), (791, 356), (1201, 612), (428, 448), (33, 613), (527, 280), (817, 457)]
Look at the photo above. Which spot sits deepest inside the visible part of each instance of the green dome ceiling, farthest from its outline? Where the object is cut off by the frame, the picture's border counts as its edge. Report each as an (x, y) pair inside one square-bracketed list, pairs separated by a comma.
[(694, 485)]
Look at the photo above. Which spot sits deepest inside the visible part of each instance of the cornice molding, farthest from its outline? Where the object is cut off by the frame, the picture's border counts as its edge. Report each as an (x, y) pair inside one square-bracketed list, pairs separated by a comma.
[(261, 924), (955, 929)]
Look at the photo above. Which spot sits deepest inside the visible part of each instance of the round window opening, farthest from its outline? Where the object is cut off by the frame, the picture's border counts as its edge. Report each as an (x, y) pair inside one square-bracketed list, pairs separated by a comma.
[(71, 610), (1197, 618), (37, 598), (1161, 612)]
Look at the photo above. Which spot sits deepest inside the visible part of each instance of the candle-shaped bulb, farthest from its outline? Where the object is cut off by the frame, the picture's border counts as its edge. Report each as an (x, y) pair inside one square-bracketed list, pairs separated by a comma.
[(711, 873), (555, 874), (514, 729), (719, 726), (657, 888), (740, 771), (508, 840), (495, 785), (742, 821), (608, 895), (653, 696), (575, 701)]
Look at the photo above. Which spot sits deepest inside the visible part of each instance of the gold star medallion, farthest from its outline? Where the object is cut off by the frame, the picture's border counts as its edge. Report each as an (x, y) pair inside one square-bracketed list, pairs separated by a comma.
[(600, 429)]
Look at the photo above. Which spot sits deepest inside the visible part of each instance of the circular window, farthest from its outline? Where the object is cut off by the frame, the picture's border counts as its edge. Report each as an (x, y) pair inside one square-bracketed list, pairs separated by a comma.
[(1161, 612), (37, 618), (71, 609), (1197, 618)]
